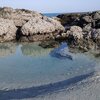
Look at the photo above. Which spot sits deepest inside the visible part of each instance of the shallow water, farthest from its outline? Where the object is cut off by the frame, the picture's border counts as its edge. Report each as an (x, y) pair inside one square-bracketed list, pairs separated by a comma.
[(26, 65)]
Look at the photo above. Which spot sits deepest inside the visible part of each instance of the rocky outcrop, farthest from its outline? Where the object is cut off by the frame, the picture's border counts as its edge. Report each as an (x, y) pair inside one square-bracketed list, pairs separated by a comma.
[(76, 32), (7, 30), (82, 29), (25, 25), (41, 26), (19, 16)]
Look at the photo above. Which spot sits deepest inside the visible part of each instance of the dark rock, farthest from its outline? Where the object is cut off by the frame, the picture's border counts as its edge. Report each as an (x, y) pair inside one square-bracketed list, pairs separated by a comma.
[(96, 15), (49, 44), (97, 24), (87, 28), (87, 19), (69, 19), (95, 34)]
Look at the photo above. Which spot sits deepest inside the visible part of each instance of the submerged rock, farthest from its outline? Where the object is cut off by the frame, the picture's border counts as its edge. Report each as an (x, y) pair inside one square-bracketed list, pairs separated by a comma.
[(49, 44)]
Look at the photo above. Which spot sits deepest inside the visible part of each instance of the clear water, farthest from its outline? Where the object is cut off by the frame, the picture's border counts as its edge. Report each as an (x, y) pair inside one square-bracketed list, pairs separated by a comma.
[(27, 64), (51, 14)]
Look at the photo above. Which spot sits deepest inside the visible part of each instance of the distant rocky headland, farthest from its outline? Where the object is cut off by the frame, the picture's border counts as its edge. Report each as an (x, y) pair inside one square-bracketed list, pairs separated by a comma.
[(80, 30)]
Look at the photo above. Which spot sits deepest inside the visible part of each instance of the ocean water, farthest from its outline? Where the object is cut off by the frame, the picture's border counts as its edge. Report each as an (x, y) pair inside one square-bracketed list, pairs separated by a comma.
[(51, 14), (33, 69)]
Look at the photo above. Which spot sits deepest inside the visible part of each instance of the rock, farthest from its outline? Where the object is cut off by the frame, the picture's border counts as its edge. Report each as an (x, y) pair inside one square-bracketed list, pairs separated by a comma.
[(7, 30), (76, 32), (49, 44), (87, 28), (87, 19), (96, 15), (32, 26), (68, 19), (56, 18), (95, 34), (84, 49), (63, 34), (41, 26), (19, 16), (97, 24)]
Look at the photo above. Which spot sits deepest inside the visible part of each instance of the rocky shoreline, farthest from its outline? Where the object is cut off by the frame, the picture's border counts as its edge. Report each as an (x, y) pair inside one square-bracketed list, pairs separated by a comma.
[(80, 30)]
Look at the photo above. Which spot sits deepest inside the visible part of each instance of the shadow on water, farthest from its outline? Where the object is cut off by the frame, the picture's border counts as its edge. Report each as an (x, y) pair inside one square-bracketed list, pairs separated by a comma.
[(61, 52), (41, 90)]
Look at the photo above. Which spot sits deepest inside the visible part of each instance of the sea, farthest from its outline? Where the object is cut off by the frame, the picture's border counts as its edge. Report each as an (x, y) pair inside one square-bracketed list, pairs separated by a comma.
[(51, 14)]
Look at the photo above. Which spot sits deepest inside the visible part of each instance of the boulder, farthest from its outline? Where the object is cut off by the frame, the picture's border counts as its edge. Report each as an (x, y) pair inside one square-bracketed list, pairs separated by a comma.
[(96, 15), (49, 44), (76, 32), (7, 30), (87, 28), (19, 16), (97, 24), (69, 19), (95, 34), (87, 19), (41, 25)]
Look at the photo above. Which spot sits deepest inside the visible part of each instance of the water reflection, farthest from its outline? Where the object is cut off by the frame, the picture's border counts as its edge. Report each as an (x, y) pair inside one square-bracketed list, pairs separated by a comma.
[(7, 49), (32, 49), (27, 49)]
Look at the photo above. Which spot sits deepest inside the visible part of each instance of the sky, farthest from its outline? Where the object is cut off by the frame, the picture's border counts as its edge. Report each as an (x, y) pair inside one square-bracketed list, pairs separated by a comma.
[(53, 6)]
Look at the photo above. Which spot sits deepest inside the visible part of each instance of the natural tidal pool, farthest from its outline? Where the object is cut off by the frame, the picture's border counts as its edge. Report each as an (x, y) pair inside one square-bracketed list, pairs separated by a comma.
[(26, 65)]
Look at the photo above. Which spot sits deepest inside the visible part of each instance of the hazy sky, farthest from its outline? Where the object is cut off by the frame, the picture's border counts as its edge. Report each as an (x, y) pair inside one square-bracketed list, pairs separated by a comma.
[(47, 6)]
